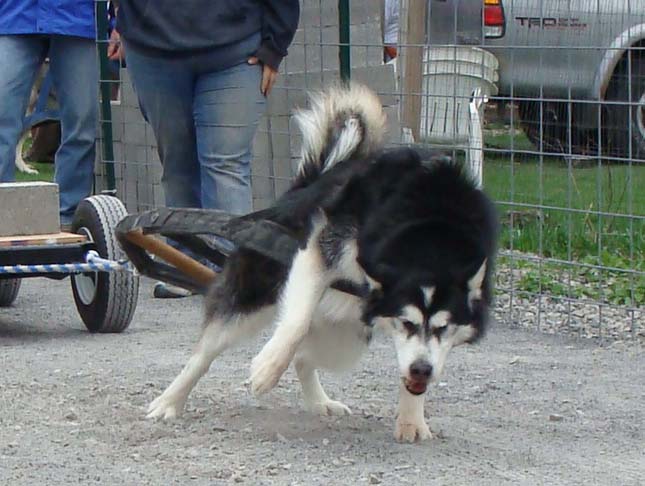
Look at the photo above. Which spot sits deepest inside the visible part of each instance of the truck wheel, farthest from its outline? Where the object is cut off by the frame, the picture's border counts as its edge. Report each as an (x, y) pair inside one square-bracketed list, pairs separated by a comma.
[(624, 122), (105, 300), (9, 288), (556, 125)]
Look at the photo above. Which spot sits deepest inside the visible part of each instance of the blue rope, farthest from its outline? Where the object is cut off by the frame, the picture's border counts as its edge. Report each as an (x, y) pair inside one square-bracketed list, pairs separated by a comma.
[(93, 263)]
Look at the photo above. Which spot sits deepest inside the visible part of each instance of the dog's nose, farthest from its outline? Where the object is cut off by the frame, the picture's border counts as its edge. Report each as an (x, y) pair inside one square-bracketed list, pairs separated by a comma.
[(420, 370)]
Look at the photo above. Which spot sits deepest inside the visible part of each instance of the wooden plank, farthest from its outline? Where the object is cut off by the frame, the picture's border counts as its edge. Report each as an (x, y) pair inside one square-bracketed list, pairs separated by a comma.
[(413, 71), (38, 240)]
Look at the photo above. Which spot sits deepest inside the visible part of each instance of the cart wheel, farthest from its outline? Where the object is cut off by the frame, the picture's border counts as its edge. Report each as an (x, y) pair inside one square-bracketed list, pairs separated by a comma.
[(105, 300), (9, 288)]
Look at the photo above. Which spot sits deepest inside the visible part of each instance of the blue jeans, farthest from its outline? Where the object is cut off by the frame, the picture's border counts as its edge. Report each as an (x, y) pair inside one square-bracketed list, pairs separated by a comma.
[(204, 120), (74, 73)]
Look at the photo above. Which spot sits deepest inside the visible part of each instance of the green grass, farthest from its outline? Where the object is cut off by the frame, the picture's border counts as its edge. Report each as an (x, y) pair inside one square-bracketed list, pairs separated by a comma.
[(554, 210), (45, 170), (45, 173)]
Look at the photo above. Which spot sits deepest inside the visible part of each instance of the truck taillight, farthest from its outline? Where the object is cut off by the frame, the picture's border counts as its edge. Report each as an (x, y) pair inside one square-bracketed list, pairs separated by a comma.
[(494, 20)]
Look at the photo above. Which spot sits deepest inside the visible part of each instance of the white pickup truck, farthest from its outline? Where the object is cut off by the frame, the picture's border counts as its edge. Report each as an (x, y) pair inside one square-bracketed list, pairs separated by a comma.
[(575, 67)]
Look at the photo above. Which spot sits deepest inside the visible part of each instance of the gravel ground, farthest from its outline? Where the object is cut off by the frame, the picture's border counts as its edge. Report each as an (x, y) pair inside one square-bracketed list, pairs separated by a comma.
[(520, 408)]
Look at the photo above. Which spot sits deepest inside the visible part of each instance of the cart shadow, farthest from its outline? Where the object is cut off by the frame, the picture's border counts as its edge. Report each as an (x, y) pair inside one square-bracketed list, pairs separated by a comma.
[(31, 332)]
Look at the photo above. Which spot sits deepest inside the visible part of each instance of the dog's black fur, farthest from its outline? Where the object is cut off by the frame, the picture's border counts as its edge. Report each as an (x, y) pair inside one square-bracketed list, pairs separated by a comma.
[(407, 236), (419, 220)]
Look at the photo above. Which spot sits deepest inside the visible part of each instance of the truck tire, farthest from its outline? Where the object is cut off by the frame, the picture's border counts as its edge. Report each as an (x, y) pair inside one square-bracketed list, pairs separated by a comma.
[(555, 122), (9, 288), (105, 300), (624, 123)]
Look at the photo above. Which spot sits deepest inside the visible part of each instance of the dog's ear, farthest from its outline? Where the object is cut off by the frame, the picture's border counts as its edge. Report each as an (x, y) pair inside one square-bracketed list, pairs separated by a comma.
[(476, 281), (377, 305), (379, 274)]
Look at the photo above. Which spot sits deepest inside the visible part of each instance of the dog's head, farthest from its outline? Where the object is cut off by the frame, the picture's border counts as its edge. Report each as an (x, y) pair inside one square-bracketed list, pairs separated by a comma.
[(430, 285), (426, 320)]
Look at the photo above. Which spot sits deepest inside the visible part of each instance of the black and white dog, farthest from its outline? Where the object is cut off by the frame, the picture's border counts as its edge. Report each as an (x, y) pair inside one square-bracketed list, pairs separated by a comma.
[(396, 240)]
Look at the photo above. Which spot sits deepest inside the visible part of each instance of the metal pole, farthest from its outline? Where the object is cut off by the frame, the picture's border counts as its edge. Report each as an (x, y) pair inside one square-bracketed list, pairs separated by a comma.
[(106, 108), (343, 31)]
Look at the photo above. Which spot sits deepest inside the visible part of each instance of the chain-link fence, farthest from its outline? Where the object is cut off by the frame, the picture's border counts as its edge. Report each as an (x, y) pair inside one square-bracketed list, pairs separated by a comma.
[(551, 93)]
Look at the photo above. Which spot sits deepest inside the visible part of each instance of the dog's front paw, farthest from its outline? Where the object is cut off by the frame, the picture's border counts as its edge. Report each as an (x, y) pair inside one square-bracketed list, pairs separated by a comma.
[(267, 368), (407, 431), (165, 408), (329, 407)]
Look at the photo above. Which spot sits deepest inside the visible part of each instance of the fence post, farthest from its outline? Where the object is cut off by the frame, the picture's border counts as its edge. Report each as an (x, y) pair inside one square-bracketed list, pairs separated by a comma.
[(106, 108), (417, 13), (343, 31)]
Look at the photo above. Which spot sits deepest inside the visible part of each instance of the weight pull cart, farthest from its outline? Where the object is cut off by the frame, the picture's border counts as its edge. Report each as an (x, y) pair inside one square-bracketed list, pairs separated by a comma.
[(103, 237), (207, 238), (104, 287)]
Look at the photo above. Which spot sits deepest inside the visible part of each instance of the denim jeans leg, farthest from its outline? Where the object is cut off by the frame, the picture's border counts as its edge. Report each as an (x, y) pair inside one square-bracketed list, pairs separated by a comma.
[(228, 107), (20, 57), (74, 69), (165, 88)]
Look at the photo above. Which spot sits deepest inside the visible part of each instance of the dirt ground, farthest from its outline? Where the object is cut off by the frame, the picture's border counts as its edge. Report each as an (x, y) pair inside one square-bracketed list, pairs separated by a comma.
[(519, 408)]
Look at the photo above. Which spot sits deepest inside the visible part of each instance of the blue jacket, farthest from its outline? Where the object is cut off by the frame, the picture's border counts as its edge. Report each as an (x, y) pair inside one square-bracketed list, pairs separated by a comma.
[(64, 17)]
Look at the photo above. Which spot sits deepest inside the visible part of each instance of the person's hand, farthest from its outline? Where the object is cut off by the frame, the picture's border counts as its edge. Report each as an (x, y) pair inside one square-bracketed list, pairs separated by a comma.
[(115, 51), (269, 76)]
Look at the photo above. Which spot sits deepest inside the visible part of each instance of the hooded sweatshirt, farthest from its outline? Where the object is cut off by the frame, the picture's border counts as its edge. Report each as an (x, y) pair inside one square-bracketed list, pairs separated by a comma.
[(234, 28)]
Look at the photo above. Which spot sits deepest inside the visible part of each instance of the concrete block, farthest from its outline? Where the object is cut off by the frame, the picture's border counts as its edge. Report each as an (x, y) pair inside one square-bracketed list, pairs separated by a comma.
[(316, 49), (393, 134), (134, 155), (281, 186), (263, 187), (128, 96), (159, 198), (319, 13), (261, 166), (152, 157), (118, 129), (29, 208), (261, 203), (150, 136), (132, 114), (282, 167), (135, 134)]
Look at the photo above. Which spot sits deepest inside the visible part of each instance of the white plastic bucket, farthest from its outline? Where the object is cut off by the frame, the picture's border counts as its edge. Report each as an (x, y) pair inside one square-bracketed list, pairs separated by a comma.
[(451, 76)]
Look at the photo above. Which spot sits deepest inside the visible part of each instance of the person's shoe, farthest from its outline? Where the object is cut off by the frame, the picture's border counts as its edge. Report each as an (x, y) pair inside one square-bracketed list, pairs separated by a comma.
[(66, 227), (163, 290)]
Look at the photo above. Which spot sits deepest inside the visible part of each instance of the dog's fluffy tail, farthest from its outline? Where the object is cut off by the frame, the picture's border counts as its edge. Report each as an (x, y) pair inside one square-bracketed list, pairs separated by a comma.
[(342, 122)]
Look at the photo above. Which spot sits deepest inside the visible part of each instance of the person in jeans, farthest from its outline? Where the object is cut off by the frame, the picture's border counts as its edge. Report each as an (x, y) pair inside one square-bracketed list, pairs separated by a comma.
[(201, 70), (64, 31)]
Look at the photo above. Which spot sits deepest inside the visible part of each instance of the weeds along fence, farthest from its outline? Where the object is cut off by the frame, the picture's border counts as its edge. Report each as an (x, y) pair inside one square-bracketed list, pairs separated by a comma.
[(551, 93)]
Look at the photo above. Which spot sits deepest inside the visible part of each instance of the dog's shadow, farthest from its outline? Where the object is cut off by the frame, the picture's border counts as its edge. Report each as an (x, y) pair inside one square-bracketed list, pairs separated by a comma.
[(285, 423)]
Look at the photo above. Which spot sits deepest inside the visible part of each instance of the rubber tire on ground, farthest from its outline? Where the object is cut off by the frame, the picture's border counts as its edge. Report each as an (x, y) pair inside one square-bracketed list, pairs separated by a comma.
[(112, 305), (621, 123), (9, 288), (546, 124)]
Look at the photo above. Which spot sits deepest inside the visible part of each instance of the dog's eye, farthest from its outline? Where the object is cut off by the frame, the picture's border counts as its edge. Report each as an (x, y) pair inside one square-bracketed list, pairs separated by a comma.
[(410, 327), (439, 331)]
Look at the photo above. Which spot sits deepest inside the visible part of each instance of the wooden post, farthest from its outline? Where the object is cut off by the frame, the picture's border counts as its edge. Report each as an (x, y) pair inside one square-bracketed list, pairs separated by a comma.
[(417, 14)]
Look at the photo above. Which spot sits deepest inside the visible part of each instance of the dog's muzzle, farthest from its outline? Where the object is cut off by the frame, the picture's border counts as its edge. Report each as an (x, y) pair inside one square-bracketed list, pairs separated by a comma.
[(418, 377)]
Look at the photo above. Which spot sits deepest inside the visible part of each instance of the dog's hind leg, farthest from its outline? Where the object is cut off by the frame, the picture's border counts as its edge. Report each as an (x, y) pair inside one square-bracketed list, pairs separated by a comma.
[(218, 335), (306, 283), (316, 400), (410, 423)]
